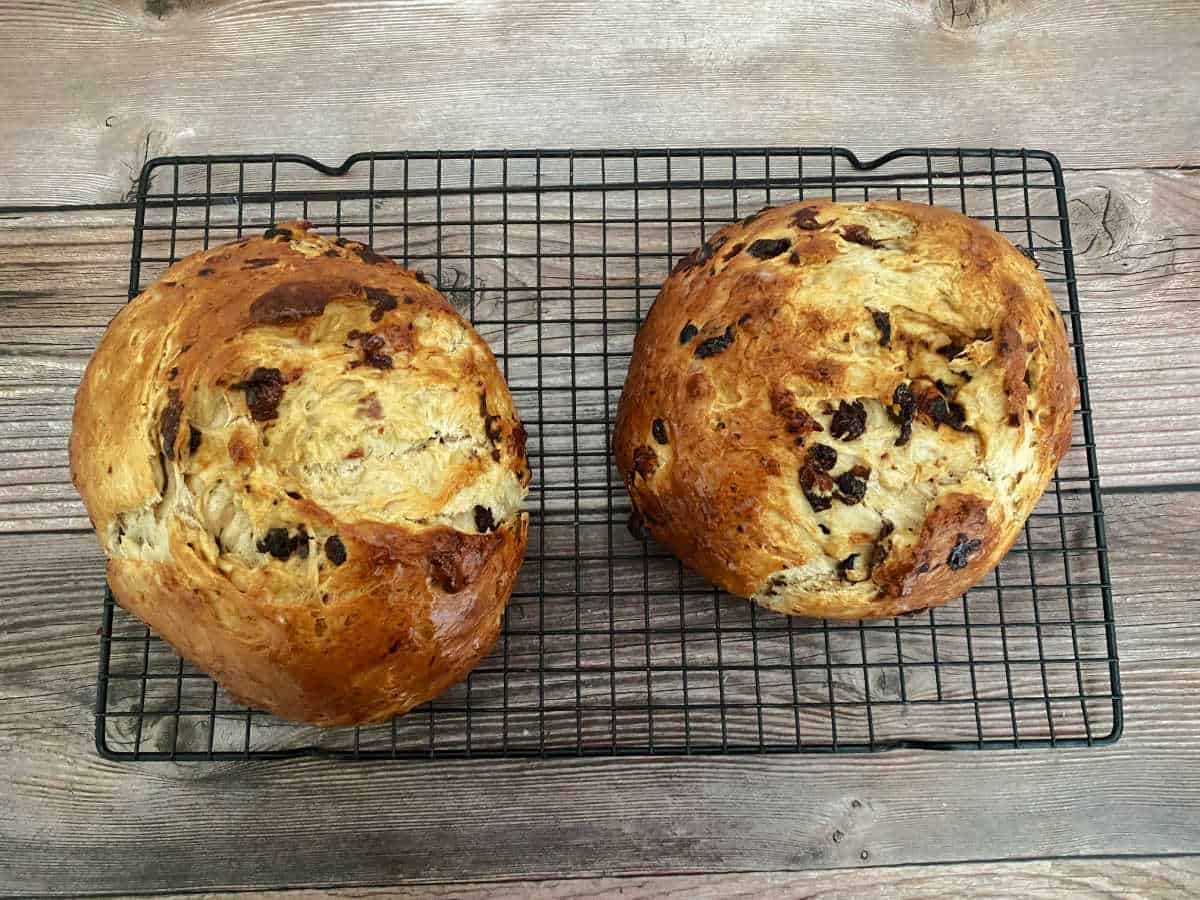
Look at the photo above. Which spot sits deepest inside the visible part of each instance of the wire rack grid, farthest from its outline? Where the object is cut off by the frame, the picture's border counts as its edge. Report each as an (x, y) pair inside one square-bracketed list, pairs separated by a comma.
[(610, 646)]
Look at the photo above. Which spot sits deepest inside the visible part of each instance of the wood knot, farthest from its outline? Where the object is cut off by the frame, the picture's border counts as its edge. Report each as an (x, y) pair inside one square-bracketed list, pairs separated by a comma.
[(964, 15), (1102, 221)]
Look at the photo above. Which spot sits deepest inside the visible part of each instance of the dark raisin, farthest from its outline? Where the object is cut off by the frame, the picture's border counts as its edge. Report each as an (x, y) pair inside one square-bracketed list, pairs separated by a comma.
[(714, 345), (944, 412), (884, 323), (491, 427), (824, 528), (859, 234), (335, 550), (645, 461), (851, 489), (950, 350), (822, 457), (798, 421), (733, 251), (905, 408), (295, 495), (168, 423), (194, 438), (660, 431), (689, 331), (886, 529), (961, 552), (372, 349), (922, 568), (173, 374), (808, 483), (956, 417), (849, 421), (274, 232), (768, 248), (264, 390), (806, 219), (382, 300), (818, 502), (880, 554), (277, 543), (483, 520), (845, 566)]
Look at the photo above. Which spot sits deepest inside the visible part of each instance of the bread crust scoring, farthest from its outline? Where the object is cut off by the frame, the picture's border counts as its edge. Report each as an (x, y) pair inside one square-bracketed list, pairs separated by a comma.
[(846, 410), (306, 471)]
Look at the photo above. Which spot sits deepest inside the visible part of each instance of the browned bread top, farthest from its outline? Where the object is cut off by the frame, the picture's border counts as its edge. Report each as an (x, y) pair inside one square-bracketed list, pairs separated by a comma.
[(846, 409), (306, 471)]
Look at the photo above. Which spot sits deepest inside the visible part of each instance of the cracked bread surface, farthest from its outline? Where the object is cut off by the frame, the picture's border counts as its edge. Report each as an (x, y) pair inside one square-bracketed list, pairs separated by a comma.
[(846, 410), (306, 471)]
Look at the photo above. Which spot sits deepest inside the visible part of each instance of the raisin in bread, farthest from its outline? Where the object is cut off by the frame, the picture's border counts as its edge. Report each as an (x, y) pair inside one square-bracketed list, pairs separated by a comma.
[(846, 409), (306, 471)]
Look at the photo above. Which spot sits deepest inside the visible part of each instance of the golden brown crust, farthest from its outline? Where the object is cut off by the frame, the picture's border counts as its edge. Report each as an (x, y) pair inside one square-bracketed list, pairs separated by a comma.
[(306, 470), (861, 404)]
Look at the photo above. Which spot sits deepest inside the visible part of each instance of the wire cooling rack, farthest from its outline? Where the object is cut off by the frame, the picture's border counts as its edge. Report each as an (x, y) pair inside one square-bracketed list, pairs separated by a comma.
[(610, 646)]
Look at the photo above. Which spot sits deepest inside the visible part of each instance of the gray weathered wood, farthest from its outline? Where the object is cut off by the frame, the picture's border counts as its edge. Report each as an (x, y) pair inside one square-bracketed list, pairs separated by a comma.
[(76, 823), (1166, 879), (119, 80)]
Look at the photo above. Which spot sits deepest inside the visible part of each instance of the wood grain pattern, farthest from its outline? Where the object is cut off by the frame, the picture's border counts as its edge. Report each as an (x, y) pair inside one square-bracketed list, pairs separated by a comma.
[(315, 822), (1168, 879), (377, 75)]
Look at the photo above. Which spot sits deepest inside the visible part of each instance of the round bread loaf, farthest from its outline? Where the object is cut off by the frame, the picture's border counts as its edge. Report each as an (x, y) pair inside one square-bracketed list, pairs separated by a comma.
[(846, 410), (306, 471)]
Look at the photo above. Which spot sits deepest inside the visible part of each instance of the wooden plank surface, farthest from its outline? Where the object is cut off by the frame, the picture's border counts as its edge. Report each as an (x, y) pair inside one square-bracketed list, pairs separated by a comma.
[(1165, 879), (116, 81), (76, 823)]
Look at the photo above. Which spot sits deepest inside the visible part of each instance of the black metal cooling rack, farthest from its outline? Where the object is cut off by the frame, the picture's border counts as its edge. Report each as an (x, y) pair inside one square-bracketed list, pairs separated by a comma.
[(610, 646)]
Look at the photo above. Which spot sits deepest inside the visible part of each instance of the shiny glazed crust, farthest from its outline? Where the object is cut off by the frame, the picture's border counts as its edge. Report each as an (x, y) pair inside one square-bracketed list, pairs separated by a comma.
[(306, 471), (846, 410)]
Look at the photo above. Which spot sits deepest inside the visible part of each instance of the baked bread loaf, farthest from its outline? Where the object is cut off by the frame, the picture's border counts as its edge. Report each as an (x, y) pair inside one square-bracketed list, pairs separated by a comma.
[(306, 471), (846, 410)]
